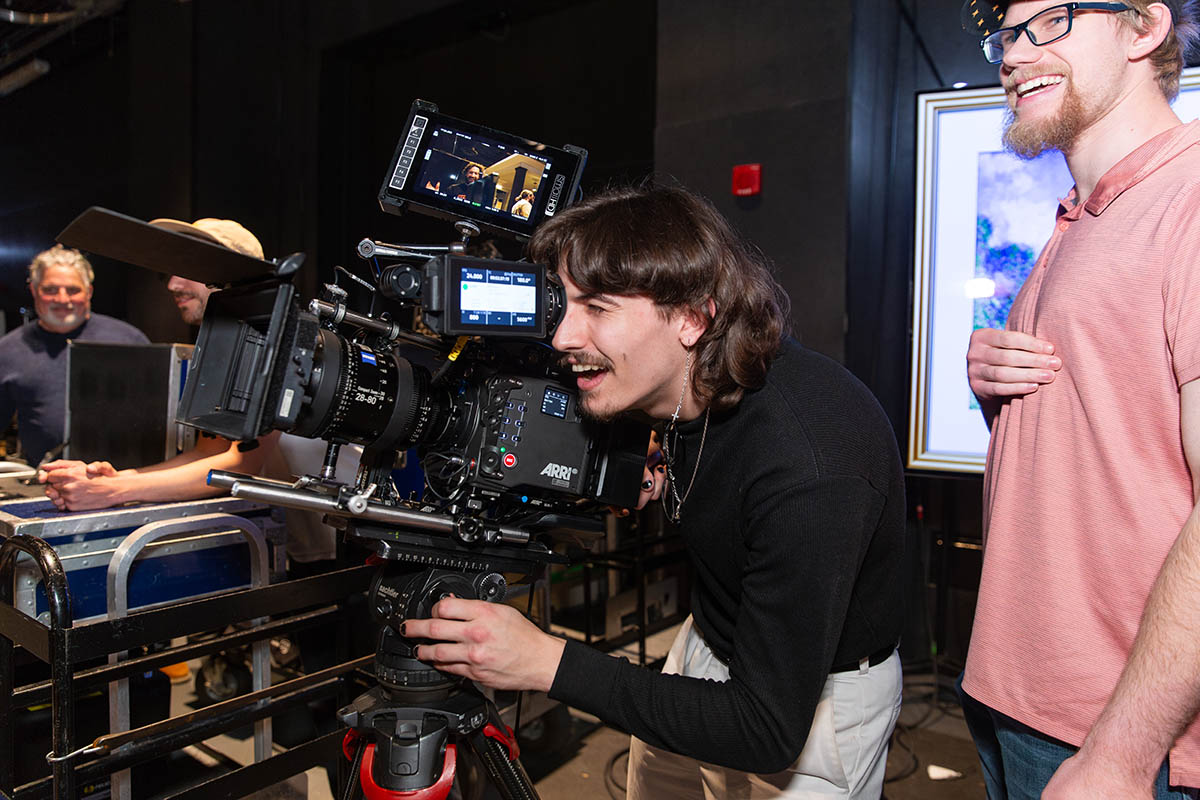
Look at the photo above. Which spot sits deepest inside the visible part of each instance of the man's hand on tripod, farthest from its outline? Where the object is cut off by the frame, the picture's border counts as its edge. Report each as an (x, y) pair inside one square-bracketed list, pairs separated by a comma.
[(490, 643)]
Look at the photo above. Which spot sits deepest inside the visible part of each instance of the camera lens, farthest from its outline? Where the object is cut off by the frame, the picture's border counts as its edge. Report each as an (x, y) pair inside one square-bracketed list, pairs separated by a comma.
[(370, 398)]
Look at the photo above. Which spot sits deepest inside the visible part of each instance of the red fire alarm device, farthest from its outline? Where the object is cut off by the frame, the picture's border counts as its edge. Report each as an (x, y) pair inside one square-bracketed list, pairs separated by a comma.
[(747, 179)]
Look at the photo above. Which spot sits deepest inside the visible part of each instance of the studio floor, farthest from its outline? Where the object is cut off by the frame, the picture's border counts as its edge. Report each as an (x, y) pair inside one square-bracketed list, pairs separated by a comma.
[(931, 756), (929, 735)]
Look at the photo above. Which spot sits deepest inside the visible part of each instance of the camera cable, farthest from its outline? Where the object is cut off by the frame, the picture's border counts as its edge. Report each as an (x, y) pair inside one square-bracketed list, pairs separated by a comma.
[(611, 784)]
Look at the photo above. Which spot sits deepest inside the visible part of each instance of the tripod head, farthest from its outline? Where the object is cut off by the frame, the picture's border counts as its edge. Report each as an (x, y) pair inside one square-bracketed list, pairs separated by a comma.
[(398, 596), (407, 732)]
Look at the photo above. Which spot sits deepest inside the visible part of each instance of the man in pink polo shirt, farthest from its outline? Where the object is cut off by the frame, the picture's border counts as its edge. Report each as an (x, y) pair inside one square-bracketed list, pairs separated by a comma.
[(1083, 676)]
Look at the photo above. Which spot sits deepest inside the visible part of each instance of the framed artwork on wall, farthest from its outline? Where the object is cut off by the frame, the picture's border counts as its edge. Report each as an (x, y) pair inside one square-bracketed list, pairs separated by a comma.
[(982, 216)]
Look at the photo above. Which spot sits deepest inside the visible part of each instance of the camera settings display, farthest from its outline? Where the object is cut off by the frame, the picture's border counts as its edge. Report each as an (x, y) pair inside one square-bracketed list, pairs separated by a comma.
[(495, 297), (554, 402)]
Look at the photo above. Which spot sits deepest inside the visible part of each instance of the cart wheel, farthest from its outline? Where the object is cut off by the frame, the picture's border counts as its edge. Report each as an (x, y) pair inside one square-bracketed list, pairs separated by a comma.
[(218, 680), (548, 733)]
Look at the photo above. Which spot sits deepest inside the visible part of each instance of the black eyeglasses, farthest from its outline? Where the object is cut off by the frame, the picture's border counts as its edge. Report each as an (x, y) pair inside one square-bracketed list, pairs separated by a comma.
[(1044, 27)]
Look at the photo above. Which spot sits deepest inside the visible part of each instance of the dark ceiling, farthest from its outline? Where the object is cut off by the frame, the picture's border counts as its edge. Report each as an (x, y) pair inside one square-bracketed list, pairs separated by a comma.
[(27, 27)]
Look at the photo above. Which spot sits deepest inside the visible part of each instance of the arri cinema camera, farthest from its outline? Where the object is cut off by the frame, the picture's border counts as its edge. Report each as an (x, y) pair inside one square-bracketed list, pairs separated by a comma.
[(496, 425)]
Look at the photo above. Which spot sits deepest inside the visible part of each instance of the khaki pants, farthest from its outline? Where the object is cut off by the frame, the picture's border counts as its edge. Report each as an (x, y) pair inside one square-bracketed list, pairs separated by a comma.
[(845, 755)]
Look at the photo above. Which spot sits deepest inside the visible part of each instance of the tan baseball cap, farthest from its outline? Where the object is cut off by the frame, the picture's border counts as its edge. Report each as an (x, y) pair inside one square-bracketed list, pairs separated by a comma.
[(224, 232)]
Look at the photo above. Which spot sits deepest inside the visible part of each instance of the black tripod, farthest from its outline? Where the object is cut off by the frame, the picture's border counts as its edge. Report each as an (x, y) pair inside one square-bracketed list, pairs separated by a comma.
[(409, 735)]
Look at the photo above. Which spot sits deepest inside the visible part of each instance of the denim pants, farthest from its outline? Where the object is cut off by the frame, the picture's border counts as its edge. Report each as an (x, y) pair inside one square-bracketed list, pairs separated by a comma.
[(1019, 761)]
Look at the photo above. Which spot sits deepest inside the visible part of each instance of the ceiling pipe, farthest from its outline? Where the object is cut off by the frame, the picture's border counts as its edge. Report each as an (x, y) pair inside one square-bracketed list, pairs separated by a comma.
[(85, 10), (23, 75), (49, 18)]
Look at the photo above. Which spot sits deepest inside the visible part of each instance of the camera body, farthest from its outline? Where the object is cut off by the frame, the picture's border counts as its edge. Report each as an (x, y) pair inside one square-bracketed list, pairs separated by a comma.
[(502, 426), (494, 419)]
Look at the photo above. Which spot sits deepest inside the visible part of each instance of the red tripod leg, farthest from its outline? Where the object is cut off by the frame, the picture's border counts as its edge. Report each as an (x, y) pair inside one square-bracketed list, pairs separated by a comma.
[(350, 744), (505, 737)]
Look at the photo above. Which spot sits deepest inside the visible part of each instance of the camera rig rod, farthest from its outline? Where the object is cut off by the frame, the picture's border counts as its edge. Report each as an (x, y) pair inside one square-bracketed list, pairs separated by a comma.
[(369, 248), (276, 493), (339, 314)]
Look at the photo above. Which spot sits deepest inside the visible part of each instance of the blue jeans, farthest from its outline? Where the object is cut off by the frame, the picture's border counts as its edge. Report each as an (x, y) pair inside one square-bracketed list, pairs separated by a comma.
[(1018, 761)]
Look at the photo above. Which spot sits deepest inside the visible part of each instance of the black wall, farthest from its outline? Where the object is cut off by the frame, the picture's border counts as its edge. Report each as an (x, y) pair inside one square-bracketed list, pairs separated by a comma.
[(901, 47), (765, 83), (283, 115)]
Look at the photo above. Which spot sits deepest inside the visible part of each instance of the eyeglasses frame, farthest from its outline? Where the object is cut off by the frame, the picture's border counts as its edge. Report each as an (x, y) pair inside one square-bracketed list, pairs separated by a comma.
[(1071, 8)]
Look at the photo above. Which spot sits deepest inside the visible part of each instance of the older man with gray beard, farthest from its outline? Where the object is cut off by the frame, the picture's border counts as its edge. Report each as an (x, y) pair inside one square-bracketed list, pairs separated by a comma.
[(33, 361)]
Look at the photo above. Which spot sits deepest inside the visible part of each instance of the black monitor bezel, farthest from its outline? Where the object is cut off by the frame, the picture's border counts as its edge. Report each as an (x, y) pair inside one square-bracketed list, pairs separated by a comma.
[(566, 170)]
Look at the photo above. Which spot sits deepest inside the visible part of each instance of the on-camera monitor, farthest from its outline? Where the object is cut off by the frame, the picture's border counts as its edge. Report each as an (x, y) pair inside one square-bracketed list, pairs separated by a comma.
[(460, 170), (496, 297)]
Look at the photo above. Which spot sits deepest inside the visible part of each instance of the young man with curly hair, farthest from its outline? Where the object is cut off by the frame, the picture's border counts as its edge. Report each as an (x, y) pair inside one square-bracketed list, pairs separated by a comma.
[(783, 475)]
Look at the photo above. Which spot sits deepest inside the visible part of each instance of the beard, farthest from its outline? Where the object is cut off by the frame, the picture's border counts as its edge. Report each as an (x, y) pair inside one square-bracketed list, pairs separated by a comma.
[(65, 318), (594, 413), (192, 315), (1029, 139)]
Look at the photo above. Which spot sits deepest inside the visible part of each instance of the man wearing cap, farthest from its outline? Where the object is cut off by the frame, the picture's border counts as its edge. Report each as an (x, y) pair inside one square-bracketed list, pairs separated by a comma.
[(192, 296), (311, 545), (1083, 676), (77, 486), (33, 362)]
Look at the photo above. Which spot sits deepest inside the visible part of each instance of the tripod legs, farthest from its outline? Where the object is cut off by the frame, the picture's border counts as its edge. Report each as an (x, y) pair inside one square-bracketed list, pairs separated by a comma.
[(498, 752)]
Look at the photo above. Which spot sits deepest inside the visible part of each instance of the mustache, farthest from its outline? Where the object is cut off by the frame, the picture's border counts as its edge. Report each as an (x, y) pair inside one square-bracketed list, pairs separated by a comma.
[(594, 360)]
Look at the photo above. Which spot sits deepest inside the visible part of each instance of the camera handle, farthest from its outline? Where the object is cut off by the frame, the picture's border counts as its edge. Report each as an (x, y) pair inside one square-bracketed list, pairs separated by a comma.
[(369, 248)]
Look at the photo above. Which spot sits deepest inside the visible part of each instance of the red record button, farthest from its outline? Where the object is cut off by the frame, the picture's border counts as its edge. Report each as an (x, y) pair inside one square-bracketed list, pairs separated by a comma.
[(510, 460)]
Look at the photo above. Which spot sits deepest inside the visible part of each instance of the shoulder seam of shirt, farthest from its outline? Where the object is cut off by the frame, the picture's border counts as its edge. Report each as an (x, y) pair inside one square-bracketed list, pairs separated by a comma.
[(818, 467)]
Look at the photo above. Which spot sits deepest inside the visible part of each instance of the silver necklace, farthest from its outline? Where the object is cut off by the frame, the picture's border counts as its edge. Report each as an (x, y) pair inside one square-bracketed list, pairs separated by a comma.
[(674, 516)]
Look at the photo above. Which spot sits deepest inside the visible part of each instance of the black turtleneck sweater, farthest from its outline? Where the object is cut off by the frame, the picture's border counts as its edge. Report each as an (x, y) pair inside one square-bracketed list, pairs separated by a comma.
[(795, 528)]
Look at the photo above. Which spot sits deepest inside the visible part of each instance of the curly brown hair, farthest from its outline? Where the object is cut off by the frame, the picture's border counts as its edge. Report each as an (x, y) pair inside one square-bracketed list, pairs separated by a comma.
[(675, 248)]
